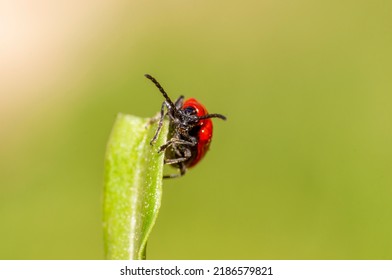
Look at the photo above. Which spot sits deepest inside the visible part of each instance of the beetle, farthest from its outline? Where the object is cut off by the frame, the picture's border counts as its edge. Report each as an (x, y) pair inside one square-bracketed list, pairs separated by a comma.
[(190, 131)]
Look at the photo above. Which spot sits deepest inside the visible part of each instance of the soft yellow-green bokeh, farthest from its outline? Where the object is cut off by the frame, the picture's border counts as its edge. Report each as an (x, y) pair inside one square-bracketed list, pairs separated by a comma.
[(301, 169)]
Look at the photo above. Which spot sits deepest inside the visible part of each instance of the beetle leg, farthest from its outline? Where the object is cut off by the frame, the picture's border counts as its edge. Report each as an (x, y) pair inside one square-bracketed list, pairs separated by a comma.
[(187, 155), (161, 117), (179, 102), (182, 172), (176, 142), (182, 169)]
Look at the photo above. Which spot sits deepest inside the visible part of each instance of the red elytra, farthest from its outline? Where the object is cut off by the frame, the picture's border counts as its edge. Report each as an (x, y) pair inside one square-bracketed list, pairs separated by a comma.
[(204, 132), (190, 131)]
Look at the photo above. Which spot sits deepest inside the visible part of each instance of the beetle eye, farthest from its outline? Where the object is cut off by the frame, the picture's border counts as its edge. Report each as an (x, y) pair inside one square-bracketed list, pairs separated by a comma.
[(189, 111)]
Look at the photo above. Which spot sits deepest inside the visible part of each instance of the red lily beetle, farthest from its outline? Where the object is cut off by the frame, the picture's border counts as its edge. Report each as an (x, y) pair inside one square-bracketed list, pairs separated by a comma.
[(190, 131)]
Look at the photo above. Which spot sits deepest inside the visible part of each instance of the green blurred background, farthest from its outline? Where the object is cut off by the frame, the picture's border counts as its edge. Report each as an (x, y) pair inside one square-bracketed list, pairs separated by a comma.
[(301, 169)]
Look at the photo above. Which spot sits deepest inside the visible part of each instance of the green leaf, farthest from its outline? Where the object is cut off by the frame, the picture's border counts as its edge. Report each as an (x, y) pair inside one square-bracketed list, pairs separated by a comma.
[(133, 187)]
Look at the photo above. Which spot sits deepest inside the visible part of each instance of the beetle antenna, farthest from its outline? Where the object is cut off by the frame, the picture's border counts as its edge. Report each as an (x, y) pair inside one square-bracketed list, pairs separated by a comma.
[(158, 85), (209, 116)]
